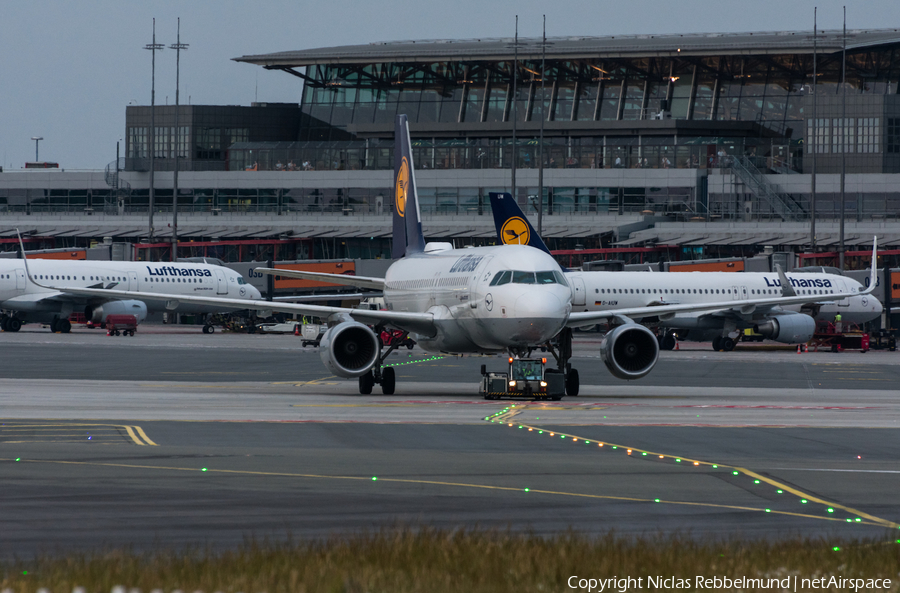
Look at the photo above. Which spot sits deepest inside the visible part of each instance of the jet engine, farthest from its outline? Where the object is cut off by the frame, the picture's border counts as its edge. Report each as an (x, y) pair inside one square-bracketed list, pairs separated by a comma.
[(349, 349), (630, 351), (794, 328), (98, 314)]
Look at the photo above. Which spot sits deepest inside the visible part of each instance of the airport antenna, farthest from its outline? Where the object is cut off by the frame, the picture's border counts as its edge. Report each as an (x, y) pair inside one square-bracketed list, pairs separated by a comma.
[(180, 140), (153, 47)]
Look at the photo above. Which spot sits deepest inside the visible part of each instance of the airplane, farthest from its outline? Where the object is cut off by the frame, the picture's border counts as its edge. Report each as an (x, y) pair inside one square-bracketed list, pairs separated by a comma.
[(31, 302), (615, 290), (503, 298)]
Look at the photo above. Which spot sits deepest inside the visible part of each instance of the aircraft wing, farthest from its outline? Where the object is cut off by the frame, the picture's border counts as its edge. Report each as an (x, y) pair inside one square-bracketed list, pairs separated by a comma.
[(342, 279), (338, 296), (421, 323)]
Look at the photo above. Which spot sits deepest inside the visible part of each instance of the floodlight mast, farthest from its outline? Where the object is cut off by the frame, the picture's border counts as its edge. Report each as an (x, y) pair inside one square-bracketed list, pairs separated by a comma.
[(844, 133), (815, 136), (544, 105), (153, 47), (37, 140), (177, 46), (515, 110)]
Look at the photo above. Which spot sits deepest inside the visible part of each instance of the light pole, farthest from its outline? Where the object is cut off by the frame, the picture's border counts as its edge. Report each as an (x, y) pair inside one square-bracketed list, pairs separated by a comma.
[(153, 47), (177, 46), (37, 140)]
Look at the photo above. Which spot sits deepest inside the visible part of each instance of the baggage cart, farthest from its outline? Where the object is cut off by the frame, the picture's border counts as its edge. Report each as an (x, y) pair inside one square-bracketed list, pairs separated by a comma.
[(121, 325)]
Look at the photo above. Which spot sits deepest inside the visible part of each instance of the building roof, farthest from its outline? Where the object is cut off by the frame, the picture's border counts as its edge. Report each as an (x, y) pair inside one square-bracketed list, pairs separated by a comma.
[(693, 44)]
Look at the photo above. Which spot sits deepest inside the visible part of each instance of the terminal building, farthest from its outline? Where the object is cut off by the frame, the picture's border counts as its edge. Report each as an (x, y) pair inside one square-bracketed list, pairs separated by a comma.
[(654, 147)]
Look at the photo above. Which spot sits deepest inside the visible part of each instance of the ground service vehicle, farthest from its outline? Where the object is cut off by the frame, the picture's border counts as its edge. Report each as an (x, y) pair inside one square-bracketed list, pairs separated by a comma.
[(527, 377), (121, 325)]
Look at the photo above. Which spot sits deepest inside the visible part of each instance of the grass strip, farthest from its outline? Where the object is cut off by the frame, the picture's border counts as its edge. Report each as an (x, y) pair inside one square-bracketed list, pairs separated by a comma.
[(433, 560)]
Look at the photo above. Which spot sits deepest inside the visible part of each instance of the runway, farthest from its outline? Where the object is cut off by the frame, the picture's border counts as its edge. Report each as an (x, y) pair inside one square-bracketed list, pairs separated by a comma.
[(174, 438)]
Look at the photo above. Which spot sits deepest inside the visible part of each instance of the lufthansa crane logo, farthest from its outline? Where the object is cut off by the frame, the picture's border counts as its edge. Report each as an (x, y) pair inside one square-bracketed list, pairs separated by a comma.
[(515, 232), (400, 192)]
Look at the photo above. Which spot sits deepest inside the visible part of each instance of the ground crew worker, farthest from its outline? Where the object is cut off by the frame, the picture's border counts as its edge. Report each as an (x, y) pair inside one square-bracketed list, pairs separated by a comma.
[(838, 326)]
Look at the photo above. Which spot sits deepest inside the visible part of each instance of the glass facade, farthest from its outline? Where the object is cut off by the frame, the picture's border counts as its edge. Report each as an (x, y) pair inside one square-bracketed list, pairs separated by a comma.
[(766, 89)]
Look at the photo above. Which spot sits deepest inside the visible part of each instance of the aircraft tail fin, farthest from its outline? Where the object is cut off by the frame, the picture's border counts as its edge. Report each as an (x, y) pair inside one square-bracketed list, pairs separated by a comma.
[(512, 225), (407, 238)]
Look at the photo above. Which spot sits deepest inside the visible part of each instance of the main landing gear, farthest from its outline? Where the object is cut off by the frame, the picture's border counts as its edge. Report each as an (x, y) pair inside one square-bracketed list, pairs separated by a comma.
[(62, 326), (379, 373), (10, 323), (725, 343)]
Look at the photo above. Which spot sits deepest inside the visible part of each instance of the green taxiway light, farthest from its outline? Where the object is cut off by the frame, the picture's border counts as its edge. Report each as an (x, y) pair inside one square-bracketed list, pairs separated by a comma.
[(644, 453), (768, 510), (857, 519), (25, 572), (562, 436), (656, 500), (715, 466), (374, 478), (830, 510), (677, 461), (803, 500), (756, 481), (203, 470), (540, 432), (735, 473), (526, 490), (836, 549), (18, 458), (849, 520), (615, 447), (781, 492)]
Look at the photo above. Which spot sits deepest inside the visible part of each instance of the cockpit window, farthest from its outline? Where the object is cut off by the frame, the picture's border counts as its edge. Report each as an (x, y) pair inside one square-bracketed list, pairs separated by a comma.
[(546, 278), (501, 278), (523, 277), (516, 277), (241, 280)]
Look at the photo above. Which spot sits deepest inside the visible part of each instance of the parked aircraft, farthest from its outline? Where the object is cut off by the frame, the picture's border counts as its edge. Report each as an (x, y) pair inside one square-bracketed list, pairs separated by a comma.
[(593, 291), (38, 302), (506, 298)]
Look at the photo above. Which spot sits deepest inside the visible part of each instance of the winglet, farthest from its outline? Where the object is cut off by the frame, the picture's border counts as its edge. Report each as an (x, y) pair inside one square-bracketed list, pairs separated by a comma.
[(786, 289), (25, 261), (873, 272)]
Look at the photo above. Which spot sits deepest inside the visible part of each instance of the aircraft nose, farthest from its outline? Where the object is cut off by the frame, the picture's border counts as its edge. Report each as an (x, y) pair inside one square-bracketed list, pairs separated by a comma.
[(543, 314), (538, 304), (876, 306)]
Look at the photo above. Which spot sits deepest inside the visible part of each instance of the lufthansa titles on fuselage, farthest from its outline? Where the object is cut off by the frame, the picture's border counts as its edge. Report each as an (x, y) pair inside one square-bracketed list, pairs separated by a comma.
[(467, 263), (800, 282), (173, 271)]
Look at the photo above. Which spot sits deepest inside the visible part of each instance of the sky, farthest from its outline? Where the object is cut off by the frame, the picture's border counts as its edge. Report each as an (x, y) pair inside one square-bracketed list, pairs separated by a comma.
[(69, 69)]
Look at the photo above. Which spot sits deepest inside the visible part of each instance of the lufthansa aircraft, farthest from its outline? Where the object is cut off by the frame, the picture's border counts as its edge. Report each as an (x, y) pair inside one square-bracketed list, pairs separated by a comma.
[(32, 302), (505, 298), (593, 291)]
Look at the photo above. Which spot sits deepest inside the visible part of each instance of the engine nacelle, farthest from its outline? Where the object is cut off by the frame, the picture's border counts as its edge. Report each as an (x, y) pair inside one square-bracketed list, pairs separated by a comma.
[(795, 328), (349, 349), (630, 351), (100, 313)]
